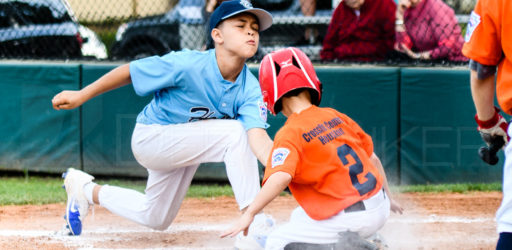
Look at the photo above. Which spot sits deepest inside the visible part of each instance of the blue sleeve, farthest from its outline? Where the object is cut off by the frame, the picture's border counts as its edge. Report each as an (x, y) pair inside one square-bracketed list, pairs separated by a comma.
[(153, 73), (252, 113)]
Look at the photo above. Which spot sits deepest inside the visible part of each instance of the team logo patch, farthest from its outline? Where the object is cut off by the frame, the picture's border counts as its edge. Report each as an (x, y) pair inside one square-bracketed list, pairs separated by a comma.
[(263, 110), (246, 4), (279, 156), (474, 21), (286, 63)]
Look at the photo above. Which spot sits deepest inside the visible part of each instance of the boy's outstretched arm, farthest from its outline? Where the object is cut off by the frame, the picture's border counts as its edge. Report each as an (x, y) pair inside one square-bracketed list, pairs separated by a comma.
[(395, 207), (116, 78), (260, 143), (274, 185)]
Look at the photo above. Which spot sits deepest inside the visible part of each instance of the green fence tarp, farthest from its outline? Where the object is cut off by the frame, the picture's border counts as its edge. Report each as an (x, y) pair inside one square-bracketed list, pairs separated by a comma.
[(34, 136), (439, 141), (420, 119)]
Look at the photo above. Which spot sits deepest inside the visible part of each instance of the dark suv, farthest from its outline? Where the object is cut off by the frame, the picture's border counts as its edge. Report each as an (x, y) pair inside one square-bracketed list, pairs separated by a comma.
[(157, 35), (38, 29)]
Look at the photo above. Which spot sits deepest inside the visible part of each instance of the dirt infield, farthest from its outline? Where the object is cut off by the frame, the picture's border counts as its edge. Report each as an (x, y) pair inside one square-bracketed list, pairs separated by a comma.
[(430, 221)]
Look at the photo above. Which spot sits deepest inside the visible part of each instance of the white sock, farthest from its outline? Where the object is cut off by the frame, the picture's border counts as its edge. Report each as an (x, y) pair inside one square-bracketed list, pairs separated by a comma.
[(88, 190)]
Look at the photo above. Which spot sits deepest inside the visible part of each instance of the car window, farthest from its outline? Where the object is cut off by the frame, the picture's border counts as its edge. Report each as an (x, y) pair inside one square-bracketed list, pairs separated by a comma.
[(16, 13)]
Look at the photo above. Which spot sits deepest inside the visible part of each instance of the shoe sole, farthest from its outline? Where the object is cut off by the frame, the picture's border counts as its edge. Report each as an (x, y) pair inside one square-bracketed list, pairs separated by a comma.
[(72, 218)]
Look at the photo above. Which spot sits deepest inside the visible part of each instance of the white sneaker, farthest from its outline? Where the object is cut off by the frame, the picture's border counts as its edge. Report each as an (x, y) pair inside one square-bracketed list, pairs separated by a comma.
[(259, 229), (77, 205)]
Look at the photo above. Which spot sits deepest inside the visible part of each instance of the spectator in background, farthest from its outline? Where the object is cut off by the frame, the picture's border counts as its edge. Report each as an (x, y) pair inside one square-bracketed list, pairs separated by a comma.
[(428, 30), (211, 5), (360, 30)]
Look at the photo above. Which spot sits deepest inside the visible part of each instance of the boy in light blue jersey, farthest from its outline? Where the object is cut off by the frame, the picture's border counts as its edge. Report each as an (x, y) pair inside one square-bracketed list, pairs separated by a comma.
[(206, 107)]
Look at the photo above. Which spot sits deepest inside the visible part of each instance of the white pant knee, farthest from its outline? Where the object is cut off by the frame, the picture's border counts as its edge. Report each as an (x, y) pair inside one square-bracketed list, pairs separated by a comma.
[(158, 222), (156, 216)]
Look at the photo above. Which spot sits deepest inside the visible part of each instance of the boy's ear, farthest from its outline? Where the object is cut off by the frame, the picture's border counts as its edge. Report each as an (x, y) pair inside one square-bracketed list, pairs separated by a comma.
[(217, 36)]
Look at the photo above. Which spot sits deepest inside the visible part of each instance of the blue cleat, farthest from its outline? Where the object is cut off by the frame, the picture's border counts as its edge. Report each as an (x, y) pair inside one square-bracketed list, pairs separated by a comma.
[(77, 205)]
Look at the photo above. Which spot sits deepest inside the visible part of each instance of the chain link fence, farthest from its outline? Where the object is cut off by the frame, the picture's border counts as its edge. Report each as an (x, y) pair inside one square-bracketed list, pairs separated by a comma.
[(390, 32)]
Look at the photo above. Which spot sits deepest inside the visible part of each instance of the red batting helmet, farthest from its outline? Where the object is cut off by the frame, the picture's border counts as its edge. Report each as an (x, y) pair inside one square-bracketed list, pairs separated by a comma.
[(283, 71)]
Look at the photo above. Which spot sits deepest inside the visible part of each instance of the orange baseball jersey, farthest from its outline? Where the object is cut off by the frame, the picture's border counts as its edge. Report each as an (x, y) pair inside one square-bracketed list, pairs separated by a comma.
[(328, 156), (489, 43)]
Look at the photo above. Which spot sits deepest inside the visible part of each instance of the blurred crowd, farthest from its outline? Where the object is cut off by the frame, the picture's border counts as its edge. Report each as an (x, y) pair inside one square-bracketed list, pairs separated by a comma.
[(359, 30), (369, 30)]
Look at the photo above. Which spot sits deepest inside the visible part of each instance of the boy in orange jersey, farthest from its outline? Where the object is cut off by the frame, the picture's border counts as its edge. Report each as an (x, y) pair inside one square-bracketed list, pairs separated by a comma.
[(489, 46), (323, 156)]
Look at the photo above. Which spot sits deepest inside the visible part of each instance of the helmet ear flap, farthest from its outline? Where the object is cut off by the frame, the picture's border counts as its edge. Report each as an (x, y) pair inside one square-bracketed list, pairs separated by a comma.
[(320, 91)]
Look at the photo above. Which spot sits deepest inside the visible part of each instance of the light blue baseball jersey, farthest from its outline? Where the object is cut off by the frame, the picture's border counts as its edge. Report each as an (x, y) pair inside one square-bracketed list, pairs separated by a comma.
[(187, 86)]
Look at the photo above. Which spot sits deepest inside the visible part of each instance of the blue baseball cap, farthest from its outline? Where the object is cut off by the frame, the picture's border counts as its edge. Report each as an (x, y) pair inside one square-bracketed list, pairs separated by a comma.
[(228, 9)]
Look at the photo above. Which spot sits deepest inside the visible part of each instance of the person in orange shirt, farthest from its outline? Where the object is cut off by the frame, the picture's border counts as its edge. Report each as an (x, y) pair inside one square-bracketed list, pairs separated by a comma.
[(323, 156), (488, 44)]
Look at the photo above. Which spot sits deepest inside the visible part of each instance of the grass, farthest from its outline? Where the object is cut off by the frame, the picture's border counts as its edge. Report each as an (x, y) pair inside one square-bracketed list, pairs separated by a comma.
[(195, 190), (453, 188), (31, 190), (44, 190)]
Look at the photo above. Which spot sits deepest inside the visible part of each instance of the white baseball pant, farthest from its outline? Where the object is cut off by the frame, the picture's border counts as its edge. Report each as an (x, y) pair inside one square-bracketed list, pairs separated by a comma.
[(171, 154), (504, 213), (301, 228)]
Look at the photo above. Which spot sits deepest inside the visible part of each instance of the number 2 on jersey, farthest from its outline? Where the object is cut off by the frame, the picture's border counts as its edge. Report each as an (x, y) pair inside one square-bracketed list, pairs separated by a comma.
[(355, 169)]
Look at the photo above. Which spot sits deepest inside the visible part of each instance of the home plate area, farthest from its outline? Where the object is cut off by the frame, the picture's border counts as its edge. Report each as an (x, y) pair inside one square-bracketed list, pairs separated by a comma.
[(430, 221)]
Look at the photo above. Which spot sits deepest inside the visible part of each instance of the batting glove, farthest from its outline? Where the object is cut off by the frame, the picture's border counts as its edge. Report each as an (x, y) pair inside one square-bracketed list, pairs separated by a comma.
[(496, 126)]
